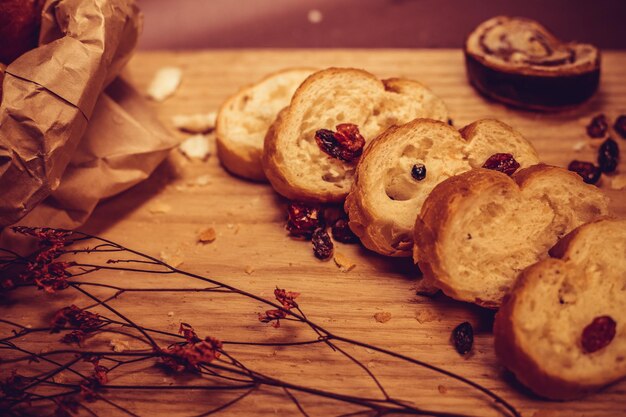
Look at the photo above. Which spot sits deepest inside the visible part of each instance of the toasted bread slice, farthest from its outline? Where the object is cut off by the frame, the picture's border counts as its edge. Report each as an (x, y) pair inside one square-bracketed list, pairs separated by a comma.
[(293, 162), (478, 230), (243, 121), (539, 329), (386, 198)]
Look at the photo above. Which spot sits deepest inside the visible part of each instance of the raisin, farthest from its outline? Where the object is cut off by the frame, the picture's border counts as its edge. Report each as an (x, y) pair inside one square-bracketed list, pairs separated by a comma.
[(598, 334), (597, 127), (345, 144), (608, 156), (620, 126), (322, 245), (450, 122), (503, 162), (303, 219), (463, 337), (588, 171), (418, 171), (342, 233)]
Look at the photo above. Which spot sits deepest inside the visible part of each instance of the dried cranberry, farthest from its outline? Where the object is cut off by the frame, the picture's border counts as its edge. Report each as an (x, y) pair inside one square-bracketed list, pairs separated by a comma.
[(322, 245), (597, 127), (342, 233), (303, 219), (588, 171), (620, 126), (418, 171), (503, 162), (463, 337), (598, 334), (608, 155), (345, 144)]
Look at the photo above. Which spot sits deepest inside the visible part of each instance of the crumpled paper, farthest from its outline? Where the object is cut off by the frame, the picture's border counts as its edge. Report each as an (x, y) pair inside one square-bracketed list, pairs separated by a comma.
[(64, 144)]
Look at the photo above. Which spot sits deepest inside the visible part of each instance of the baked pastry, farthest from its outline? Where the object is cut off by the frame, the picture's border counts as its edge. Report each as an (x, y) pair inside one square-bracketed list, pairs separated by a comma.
[(519, 62), (244, 119), (478, 230), (388, 190), (562, 331), (304, 159), (19, 27)]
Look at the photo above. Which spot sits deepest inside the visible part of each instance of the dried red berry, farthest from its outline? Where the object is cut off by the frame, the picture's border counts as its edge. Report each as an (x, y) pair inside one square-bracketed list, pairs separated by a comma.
[(303, 219), (342, 233), (588, 171), (598, 334), (463, 337), (418, 172), (345, 144), (608, 156), (597, 127), (322, 245), (503, 162), (620, 126)]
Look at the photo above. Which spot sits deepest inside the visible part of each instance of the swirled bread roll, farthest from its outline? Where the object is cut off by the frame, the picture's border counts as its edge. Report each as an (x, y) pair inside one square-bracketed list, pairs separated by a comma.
[(519, 62), (401, 167)]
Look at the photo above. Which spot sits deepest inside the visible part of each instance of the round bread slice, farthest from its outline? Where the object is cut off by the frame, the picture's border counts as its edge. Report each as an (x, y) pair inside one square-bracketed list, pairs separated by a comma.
[(243, 121), (386, 198), (539, 329), (294, 163), (519, 62), (478, 230)]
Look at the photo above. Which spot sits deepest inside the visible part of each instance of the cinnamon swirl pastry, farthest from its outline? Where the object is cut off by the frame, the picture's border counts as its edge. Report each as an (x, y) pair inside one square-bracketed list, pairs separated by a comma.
[(519, 62)]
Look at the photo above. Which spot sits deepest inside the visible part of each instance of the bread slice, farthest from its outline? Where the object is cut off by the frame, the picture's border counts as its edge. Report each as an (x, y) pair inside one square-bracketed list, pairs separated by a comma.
[(519, 62), (385, 198), (539, 329), (293, 162), (243, 120), (478, 230)]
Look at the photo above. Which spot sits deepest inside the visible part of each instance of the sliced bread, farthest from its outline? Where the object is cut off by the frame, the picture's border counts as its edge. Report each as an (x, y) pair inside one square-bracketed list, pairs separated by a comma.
[(478, 230), (388, 193), (562, 331), (293, 161), (243, 121)]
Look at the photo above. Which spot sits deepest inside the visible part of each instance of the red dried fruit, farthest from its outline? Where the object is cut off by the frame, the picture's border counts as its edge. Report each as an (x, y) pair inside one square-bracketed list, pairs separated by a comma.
[(303, 219), (588, 171), (620, 126), (342, 233), (503, 162), (598, 126), (322, 245), (463, 337), (345, 144), (608, 156), (598, 334)]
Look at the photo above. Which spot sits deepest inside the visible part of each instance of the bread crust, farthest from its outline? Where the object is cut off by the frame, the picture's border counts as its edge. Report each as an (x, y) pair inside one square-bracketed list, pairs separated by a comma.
[(444, 203), (278, 167), (509, 344)]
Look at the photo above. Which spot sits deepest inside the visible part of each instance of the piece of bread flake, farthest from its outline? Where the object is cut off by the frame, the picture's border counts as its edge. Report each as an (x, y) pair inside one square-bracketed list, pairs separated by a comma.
[(165, 82), (195, 123), (196, 147)]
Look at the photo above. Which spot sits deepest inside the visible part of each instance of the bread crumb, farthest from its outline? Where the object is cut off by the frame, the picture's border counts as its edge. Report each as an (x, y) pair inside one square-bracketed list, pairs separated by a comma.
[(118, 345), (249, 270), (442, 389), (60, 377), (207, 235), (315, 16), (579, 146), (382, 317), (195, 147), (371, 364), (618, 182), (165, 82), (159, 208), (195, 123), (170, 314), (174, 259), (343, 262), (425, 316), (370, 351)]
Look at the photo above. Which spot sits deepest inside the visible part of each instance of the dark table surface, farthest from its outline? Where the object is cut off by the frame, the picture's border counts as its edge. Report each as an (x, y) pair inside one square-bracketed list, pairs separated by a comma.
[(196, 24)]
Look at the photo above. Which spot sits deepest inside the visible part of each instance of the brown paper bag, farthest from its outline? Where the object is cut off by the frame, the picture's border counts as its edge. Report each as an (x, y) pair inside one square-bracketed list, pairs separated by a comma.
[(61, 139)]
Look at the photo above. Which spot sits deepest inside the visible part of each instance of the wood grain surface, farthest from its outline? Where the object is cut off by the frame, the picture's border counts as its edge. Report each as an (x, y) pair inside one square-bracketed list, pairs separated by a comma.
[(164, 215)]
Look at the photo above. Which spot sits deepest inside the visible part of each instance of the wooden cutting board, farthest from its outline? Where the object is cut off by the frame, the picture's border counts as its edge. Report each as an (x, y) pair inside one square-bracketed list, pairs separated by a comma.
[(164, 215)]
